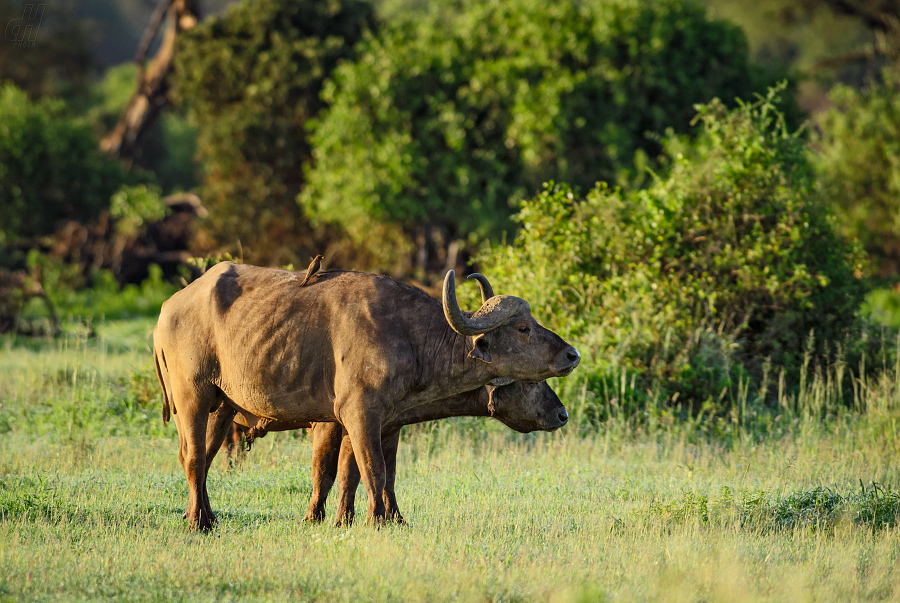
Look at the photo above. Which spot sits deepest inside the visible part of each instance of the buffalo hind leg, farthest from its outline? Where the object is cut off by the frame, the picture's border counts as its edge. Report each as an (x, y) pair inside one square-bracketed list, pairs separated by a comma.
[(217, 428), (193, 406), (326, 439), (181, 448)]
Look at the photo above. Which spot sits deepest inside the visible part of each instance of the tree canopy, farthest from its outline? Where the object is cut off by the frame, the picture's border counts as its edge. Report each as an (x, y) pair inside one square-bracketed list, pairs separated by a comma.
[(445, 121), (858, 139), (251, 80), (50, 167)]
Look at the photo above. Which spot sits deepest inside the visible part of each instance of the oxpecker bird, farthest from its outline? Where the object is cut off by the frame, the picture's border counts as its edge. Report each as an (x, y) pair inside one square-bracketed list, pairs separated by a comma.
[(313, 268)]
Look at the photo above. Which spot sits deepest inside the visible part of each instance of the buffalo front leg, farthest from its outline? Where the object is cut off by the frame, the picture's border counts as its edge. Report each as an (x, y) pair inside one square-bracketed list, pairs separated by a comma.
[(390, 441), (348, 481), (364, 428), (349, 478), (326, 439)]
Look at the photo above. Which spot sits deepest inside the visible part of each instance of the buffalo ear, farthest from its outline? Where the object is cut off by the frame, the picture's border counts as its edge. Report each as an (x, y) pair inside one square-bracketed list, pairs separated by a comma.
[(481, 350)]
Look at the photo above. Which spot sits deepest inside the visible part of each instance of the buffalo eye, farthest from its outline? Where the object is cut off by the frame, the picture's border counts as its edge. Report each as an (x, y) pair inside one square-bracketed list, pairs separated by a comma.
[(525, 330)]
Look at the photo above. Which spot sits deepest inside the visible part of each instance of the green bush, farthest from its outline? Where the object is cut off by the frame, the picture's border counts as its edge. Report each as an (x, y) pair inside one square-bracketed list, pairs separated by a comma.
[(883, 307), (727, 261), (858, 140), (105, 299), (50, 168), (450, 116), (250, 81), (134, 206)]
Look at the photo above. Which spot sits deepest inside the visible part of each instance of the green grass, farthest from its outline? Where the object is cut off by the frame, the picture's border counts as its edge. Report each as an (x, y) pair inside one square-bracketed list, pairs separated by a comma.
[(91, 496)]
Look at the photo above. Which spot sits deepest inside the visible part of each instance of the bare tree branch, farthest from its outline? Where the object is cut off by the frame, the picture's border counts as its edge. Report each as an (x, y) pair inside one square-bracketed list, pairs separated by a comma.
[(156, 20), (152, 87)]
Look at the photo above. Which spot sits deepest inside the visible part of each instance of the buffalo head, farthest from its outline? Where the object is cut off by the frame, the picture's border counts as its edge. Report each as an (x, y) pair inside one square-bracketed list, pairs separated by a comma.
[(506, 337), (527, 407)]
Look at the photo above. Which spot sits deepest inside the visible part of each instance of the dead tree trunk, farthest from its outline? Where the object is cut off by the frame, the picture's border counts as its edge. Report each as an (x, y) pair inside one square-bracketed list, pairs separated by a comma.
[(152, 87)]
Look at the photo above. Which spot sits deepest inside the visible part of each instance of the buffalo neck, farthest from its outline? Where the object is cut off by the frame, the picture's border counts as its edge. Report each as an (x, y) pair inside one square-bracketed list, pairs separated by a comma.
[(467, 404), (445, 367)]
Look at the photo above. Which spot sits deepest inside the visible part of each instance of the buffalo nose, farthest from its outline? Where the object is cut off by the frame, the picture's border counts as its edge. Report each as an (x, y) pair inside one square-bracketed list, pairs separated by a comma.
[(563, 416), (565, 361)]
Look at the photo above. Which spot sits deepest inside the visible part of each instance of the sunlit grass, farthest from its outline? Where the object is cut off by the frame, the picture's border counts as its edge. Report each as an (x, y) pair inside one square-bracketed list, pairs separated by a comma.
[(91, 496)]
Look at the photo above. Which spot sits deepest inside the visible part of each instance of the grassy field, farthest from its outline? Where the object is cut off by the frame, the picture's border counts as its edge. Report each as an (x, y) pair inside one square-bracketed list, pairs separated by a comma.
[(91, 496)]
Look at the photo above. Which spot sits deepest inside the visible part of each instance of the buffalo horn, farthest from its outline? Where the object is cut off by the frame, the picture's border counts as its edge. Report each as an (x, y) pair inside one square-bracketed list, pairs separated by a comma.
[(487, 291), (487, 318)]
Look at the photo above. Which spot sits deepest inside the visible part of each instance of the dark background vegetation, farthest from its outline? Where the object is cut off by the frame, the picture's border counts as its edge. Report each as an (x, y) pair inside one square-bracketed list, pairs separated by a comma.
[(704, 197)]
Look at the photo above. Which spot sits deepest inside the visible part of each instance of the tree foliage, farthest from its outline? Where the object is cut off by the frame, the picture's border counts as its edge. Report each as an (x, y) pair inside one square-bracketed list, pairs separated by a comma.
[(447, 119), (729, 256), (167, 147), (251, 81), (859, 166), (50, 168)]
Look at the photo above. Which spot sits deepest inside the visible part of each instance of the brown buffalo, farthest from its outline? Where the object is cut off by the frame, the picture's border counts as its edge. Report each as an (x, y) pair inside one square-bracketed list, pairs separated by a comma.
[(360, 349)]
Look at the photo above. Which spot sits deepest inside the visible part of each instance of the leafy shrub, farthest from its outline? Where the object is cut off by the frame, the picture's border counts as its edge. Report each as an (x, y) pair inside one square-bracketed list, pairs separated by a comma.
[(50, 168), (447, 117), (107, 299), (134, 206), (859, 166), (821, 508), (883, 306), (250, 81), (726, 261), (104, 299)]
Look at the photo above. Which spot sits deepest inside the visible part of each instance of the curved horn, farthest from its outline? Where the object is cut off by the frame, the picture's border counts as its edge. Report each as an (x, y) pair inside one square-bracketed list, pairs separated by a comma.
[(487, 291), (487, 318)]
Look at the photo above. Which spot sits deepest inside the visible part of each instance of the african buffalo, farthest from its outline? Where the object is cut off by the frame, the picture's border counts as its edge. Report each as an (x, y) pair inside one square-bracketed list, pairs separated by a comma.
[(355, 348)]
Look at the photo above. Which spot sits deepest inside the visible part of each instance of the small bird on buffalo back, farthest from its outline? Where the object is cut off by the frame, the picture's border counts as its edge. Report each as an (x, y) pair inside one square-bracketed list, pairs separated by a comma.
[(313, 268)]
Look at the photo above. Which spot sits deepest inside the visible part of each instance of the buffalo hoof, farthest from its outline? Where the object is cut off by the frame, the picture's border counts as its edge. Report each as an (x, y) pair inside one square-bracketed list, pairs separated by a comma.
[(203, 522), (203, 525), (314, 517), (396, 518)]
